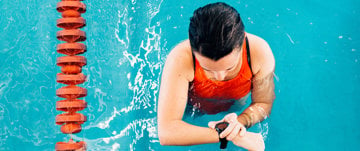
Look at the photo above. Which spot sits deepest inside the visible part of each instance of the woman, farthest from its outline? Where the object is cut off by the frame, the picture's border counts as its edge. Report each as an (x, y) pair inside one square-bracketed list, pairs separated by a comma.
[(218, 66)]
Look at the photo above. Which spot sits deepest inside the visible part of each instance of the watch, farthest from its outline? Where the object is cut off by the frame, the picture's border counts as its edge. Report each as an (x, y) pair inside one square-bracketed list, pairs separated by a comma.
[(220, 127)]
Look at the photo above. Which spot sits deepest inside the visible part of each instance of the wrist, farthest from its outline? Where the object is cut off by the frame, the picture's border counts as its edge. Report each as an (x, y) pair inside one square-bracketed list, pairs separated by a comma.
[(244, 120), (214, 136)]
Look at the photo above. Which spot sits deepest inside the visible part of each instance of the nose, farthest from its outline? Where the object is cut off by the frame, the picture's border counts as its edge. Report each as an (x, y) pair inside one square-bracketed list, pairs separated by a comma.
[(220, 75)]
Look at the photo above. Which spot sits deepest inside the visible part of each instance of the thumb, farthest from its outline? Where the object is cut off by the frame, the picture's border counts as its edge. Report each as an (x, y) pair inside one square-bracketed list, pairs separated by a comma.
[(212, 124)]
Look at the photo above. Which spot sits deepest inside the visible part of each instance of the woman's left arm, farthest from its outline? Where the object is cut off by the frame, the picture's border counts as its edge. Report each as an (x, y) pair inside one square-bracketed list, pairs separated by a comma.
[(262, 93), (262, 96)]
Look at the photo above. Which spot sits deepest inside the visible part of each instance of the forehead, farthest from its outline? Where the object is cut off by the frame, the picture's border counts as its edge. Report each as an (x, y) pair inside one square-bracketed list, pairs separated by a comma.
[(223, 63)]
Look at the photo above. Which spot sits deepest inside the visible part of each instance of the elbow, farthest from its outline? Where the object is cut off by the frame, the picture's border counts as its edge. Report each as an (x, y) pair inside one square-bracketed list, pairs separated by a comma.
[(163, 138), (163, 141), (164, 134), (167, 133)]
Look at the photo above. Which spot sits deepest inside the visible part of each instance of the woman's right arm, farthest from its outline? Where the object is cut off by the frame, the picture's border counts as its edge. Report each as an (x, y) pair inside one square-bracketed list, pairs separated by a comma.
[(172, 101)]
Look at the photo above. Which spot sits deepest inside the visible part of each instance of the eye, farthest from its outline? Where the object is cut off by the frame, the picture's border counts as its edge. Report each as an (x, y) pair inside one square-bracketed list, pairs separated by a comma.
[(229, 69)]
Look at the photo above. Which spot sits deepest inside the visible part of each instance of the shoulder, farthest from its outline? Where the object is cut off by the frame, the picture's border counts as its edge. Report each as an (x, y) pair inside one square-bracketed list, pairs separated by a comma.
[(180, 60), (262, 58)]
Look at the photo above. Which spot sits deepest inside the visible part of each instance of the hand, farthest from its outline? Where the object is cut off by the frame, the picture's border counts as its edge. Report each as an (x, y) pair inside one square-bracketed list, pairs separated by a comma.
[(234, 128), (250, 141)]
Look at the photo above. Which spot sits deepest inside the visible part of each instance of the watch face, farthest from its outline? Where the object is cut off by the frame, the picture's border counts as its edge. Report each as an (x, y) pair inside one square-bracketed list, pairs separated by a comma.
[(219, 127)]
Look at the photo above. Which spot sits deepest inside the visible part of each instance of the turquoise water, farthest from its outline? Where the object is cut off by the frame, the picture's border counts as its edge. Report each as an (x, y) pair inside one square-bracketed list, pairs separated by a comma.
[(316, 45)]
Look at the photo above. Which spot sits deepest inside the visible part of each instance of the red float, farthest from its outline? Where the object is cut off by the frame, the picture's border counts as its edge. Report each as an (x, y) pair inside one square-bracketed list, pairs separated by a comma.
[(71, 48), (72, 105), (71, 35), (70, 79), (71, 92), (71, 145), (71, 23), (71, 5)]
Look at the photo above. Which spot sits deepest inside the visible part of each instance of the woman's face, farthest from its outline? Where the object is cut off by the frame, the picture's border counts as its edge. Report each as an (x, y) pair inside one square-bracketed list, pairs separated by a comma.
[(221, 69)]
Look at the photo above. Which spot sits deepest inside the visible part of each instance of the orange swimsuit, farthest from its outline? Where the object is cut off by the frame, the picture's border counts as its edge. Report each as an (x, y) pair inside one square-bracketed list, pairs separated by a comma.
[(212, 97)]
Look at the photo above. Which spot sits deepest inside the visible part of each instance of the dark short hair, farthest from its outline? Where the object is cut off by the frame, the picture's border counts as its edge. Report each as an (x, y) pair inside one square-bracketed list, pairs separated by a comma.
[(215, 30)]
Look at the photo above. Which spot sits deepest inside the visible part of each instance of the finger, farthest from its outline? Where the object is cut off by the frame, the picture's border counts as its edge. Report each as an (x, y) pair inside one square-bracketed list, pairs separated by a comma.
[(232, 116), (259, 139), (242, 130), (234, 132), (228, 130), (212, 124)]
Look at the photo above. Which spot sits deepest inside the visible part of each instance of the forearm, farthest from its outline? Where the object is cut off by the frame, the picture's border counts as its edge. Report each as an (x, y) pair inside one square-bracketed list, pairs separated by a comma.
[(181, 133), (262, 96), (255, 113)]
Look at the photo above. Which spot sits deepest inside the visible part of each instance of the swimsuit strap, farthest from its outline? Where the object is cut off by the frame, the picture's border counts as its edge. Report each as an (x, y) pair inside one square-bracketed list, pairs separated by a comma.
[(193, 56), (248, 53)]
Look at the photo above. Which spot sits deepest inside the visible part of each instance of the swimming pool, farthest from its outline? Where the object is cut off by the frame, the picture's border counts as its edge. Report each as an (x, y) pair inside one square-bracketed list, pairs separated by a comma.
[(316, 46)]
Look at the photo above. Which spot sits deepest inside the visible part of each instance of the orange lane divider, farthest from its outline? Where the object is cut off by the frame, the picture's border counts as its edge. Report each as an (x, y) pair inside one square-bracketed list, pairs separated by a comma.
[(71, 67)]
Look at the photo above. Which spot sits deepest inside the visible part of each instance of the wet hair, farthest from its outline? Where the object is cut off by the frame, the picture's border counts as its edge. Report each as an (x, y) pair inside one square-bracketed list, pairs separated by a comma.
[(215, 30)]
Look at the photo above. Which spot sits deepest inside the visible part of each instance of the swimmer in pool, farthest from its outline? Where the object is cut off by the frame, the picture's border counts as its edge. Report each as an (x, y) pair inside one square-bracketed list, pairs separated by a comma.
[(211, 71)]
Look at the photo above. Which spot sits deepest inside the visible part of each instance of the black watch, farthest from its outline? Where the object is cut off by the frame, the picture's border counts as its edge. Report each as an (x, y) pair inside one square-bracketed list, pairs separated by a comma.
[(220, 127)]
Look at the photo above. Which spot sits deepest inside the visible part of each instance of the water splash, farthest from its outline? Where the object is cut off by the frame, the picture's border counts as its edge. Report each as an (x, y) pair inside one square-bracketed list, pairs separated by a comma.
[(263, 126), (141, 57)]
